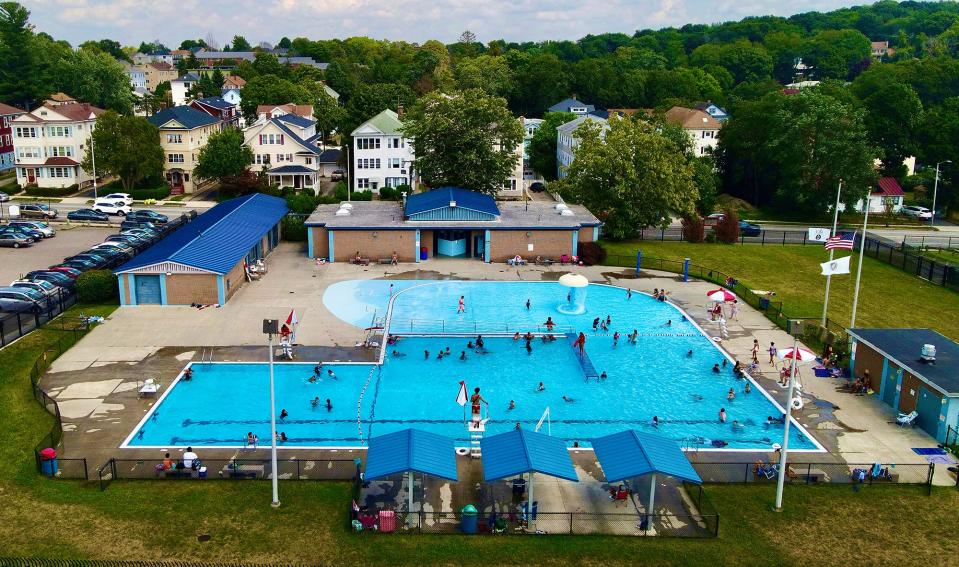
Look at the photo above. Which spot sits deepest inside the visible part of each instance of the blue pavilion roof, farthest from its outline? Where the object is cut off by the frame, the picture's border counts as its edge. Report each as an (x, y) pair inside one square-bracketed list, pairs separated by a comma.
[(630, 454), (521, 451), (411, 450)]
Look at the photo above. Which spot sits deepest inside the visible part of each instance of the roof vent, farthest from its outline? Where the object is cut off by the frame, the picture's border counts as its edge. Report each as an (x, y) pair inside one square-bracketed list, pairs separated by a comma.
[(342, 212), (452, 203), (928, 353), (347, 206), (566, 213)]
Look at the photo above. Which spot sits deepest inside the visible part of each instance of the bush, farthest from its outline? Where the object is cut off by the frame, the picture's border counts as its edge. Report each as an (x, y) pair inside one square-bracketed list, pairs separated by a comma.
[(693, 229), (727, 229), (591, 253), (34, 191), (97, 286), (293, 229), (157, 193), (394, 193), (302, 203), (340, 191), (149, 188)]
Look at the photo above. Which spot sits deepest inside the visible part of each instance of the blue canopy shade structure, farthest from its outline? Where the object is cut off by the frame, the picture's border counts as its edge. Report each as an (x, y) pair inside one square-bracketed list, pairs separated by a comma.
[(522, 451), (630, 454), (411, 450)]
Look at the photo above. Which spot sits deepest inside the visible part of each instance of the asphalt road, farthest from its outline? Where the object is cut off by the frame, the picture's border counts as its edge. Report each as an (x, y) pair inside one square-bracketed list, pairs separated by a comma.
[(65, 207)]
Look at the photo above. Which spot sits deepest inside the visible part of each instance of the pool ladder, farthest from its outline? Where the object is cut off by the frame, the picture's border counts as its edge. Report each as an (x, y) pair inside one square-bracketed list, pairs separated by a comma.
[(476, 430)]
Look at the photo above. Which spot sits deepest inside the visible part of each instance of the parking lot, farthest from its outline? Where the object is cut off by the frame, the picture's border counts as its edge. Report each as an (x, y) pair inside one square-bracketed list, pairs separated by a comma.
[(49, 251)]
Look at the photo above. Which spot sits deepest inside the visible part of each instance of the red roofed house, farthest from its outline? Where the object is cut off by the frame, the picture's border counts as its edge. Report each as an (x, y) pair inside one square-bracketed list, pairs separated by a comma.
[(887, 195), (51, 141), (7, 114)]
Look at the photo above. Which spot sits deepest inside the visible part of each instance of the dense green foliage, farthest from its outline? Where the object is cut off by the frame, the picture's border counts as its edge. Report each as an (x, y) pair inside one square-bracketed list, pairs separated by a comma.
[(224, 155), (542, 148), (97, 286), (125, 146)]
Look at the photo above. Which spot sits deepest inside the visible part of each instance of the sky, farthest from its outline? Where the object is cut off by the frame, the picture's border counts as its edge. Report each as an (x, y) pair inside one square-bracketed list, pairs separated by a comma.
[(171, 21)]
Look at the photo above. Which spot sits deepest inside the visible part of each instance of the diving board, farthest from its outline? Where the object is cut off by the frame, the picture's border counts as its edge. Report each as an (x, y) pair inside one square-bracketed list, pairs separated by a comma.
[(584, 362)]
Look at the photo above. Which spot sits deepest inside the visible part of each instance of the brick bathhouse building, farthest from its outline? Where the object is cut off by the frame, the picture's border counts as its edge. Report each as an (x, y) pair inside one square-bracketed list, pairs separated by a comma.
[(7, 114), (204, 262), (448, 222)]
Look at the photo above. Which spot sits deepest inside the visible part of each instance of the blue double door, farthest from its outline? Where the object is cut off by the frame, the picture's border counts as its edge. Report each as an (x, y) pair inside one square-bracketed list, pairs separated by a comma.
[(148, 290)]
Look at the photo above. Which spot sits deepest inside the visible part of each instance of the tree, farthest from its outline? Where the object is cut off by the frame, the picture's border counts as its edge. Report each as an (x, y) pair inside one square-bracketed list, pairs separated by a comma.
[(542, 148), (224, 156), (893, 118), (328, 114), (192, 44), (285, 43), (125, 146), (107, 46), (834, 53), (20, 73), (631, 177), (939, 142), (465, 139), (270, 89), (93, 76), (369, 100), (485, 72), (540, 80), (240, 44), (727, 227)]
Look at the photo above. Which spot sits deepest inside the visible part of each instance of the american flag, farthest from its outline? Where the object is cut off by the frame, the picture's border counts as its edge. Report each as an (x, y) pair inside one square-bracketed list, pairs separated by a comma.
[(844, 241)]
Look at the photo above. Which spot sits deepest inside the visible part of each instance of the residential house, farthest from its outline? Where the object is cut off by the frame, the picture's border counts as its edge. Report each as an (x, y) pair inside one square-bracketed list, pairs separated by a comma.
[(51, 141), (184, 131), (218, 108), (137, 75), (141, 58), (180, 88), (179, 55), (156, 73), (7, 114), (703, 129), (333, 94), (886, 195), (382, 157), (881, 49), (233, 97), (162, 56), (284, 147), (230, 59), (574, 106), (329, 161), (567, 141), (267, 111), (233, 82), (714, 110), (530, 126)]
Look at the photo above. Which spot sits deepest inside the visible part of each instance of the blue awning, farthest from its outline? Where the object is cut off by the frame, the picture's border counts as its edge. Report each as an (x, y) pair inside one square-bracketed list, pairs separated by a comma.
[(522, 451), (411, 450), (630, 454)]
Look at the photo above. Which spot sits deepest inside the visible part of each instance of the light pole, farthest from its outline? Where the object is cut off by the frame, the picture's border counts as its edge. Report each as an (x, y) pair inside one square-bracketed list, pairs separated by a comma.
[(796, 354), (93, 159), (270, 328), (935, 191)]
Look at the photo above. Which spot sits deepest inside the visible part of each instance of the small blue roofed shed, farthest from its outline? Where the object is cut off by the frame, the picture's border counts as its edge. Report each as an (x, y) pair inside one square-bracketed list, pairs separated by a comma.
[(450, 204), (631, 454), (205, 261), (411, 450)]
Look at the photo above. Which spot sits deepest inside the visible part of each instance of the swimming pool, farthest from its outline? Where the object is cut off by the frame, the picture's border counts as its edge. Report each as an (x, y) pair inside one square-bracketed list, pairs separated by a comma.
[(653, 377)]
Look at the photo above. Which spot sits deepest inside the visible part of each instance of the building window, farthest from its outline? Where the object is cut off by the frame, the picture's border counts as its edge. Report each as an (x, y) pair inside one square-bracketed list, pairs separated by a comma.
[(394, 143), (309, 161), (58, 131), (395, 181), (61, 172), (362, 183), (174, 138), (261, 159), (174, 158), (368, 163), (367, 143), (28, 152), (394, 163), (28, 132), (271, 139), (61, 151)]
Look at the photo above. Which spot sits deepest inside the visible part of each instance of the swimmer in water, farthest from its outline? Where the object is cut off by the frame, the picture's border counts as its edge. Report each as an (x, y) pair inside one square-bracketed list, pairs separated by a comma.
[(463, 355), (737, 425), (469, 344), (696, 397), (568, 399), (329, 405), (315, 402), (683, 317), (669, 322), (426, 355), (398, 354), (731, 395), (716, 368), (689, 354), (655, 421), (541, 387), (722, 415), (330, 374), (603, 376), (512, 405), (516, 336), (748, 388), (724, 363), (284, 414), (439, 356)]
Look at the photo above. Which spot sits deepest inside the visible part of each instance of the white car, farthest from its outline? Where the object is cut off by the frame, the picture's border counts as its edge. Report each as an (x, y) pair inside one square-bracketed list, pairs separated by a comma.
[(111, 207), (46, 288), (125, 197), (916, 212)]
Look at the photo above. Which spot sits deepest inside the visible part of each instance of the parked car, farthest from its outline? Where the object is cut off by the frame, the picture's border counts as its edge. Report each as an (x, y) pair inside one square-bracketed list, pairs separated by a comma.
[(111, 207), (123, 247), (125, 197), (36, 235), (713, 219), (148, 216), (337, 175), (128, 239), (749, 229), (96, 259), (11, 305), (4, 197), (46, 288), (38, 211), (14, 240), (145, 233), (87, 215), (57, 278), (128, 224), (917, 212), (24, 294), (80, 264), (72, 273), (537, 187), (40, 226)]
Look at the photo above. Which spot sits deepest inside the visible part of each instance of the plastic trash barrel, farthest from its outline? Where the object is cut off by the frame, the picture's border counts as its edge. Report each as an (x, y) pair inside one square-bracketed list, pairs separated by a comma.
[(764, 303), (202, 472), (424, 253), (469, 520), (48, 462)]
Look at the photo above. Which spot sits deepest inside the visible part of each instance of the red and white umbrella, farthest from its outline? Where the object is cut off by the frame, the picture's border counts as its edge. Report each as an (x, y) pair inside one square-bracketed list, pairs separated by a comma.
[(720, 295), (798, 354)]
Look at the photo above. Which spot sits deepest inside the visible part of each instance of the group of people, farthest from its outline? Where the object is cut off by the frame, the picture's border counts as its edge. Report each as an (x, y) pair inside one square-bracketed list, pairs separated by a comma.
[(862, 384), (600, 323), (660, 294), (189, 461)]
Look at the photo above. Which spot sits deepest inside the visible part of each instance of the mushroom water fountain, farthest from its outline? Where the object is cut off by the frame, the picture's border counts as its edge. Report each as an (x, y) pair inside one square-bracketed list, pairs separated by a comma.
[(575, 303)]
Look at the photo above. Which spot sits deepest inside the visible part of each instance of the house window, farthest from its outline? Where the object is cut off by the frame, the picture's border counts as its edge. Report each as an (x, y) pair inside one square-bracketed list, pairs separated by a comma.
[(394, 163), (28, 152), (394, 143), (261, 159), (271, 139), (309, 161), (395, 181), (368, 163), (367, 143), (175, 158), (174, 138), (28, 132), (58, 131), (510, 185), (60, 172), (61, 151), (362, 183)]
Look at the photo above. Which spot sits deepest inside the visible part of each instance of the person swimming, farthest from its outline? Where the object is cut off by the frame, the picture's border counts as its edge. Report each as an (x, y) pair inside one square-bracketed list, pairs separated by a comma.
[(463, 355), (312, 379), (329, 405), (426, 355), (439, 356), (541, 387), (567, 399), (516, 336), (479, 341), (737, 425), (469, 344), (748, 388), (398, 354), (315, 401), (724, 363), (284, 414), (731, 395), (669, 322), (655, 421), (529, 348), (689, 354), (722, 415), (716, 368), (634, 336), (318, 370), (512, 405), (696, 397), (330, 374), (447, 351), (603, 376)]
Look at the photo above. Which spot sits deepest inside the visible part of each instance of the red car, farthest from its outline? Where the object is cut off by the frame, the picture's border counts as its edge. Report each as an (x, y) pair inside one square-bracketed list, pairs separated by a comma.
[(72, 272)]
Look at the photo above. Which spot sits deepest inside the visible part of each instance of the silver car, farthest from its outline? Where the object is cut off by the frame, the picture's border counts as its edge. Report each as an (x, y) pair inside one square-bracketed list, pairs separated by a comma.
[(13, 240), (43, 228), (46, 288)]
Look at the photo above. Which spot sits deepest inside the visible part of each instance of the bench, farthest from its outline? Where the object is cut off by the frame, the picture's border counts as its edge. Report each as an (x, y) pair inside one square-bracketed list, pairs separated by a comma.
[(545, 262), (360, 261), (385, 261), (177, 473), (808, 475)]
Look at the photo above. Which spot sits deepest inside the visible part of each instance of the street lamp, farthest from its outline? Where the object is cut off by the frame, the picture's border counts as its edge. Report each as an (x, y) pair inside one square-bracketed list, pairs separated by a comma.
[(271, 327), (796, 355), (935, 191)]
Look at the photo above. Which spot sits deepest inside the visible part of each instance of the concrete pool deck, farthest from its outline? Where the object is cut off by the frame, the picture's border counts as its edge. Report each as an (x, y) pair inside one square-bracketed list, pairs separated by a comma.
[(96, 381)]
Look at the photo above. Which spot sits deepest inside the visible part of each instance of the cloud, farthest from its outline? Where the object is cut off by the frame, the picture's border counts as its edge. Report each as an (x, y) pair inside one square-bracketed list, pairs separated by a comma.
[(133, 21)]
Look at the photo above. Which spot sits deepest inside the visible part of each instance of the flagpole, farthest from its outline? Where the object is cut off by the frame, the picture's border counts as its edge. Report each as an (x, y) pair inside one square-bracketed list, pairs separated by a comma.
[(862, 252), (835, 222)]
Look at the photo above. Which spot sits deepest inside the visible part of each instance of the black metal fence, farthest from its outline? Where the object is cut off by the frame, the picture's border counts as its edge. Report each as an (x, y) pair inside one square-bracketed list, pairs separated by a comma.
[(14, 325), (866, 474)]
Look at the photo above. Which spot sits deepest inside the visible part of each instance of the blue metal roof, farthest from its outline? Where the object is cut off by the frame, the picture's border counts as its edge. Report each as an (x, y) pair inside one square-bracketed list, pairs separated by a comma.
[(440, 198), (216, 102), (219, 238), (296, 120), (629, 454), (521, 451), (188, 116), (565, 104), (291, 169), (411, 450)]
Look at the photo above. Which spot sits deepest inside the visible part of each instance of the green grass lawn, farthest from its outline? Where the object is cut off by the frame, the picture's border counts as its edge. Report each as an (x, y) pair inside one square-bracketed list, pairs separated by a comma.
[(888, 297), (949, 256), (160, 520)]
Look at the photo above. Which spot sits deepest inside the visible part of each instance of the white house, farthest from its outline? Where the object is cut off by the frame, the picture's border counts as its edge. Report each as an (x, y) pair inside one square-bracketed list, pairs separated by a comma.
[(180, 86), (382, 157), (702, 128), (51, 141), (138, 78), (285, 147), (886, 194), (530, 126), (567, 141)]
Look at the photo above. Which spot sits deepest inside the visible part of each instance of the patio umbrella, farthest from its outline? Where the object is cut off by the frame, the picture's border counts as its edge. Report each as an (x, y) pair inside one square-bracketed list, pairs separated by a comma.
[(720, 295), (797, 353)]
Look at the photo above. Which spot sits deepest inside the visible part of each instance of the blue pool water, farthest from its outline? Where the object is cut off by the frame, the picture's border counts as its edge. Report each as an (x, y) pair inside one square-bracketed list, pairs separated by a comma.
[(652, 377)]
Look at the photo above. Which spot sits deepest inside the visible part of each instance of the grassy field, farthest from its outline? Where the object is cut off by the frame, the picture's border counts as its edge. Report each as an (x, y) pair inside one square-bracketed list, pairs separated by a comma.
[(157, 520), (888, 296)]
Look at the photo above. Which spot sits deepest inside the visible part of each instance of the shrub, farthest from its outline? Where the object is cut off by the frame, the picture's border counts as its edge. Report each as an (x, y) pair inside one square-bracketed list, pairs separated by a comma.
[(97, 286), (693, 229), (727, 229), (34, 191), (293, 229), (302, 203), (591, 253), (157, 193), (340, 191)]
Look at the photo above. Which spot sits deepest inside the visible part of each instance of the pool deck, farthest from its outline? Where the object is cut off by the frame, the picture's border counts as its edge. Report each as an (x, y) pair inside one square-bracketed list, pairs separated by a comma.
[(96, 382)]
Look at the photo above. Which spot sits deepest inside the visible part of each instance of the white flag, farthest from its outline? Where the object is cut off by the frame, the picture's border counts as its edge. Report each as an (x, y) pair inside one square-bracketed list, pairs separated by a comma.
[(818, 234), (462, 397), (837, 266)]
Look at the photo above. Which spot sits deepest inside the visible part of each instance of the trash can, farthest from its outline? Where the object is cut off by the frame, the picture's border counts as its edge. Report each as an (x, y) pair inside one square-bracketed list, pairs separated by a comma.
[(48, 462), (202, 472), (764, 303), (470, 518), (424, 253), (530, 514)]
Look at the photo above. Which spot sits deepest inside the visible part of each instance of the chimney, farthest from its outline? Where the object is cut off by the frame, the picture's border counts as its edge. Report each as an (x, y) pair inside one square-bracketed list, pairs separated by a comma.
[(400, 111)]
